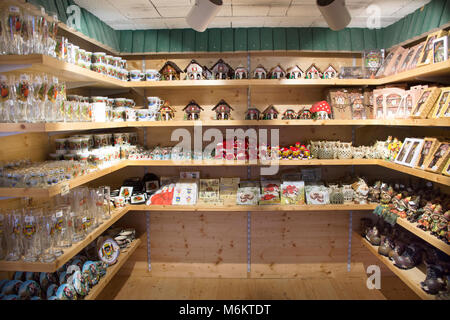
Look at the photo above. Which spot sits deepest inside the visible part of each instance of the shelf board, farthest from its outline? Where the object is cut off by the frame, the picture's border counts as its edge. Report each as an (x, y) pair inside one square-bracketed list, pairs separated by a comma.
[(411, 277), (112, 270), (68, 254), (254, 208), (79, 126), (440, 69), (435, 177), (64, 71), (425, 235), (54, 190)]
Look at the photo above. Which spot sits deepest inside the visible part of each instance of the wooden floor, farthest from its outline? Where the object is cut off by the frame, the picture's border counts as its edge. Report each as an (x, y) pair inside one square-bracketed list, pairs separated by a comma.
[(351, 288)]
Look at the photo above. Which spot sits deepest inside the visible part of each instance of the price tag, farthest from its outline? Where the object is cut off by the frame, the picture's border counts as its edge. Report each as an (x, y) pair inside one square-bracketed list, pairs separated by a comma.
[(55, 80), (65, 188), (29, 219), (14, 9), (59, 214), (84, 219), (73, 214)]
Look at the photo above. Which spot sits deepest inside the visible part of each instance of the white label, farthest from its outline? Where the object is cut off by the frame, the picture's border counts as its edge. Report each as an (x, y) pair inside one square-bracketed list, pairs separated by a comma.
[(42, 10), (55, 80), (59, 214), (23, 77), (65, 188), (14, 9), (84, 219), (73, 214), (29, 219)]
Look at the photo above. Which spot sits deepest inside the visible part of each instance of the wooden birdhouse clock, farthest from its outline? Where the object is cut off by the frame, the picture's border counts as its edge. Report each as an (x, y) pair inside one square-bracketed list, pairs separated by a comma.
[(192, 111), (194, 71), (223, 110)]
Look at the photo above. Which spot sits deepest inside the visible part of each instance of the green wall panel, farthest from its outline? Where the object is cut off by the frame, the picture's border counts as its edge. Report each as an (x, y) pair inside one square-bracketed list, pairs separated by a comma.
[(126, 40), (379, 35), (319, 39), (201, 41), (150, 40), (292, 39), (254, 40), (279, 39), (306, 39), (370, 39), (332, 40), (344, 40), (445, 17), (176, 40), (418, 25), (266, 39), (240, 39), (434, 13), (61, 6), (163, 41), (188, 40), (227, 39), (138, 41), (357, 35), (214, 40)]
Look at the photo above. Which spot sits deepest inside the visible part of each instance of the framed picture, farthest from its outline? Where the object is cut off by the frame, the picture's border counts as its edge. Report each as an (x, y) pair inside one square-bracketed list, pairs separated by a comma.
[(417, 53), (445, 112), (428, 147), (413, 152), (425, 103), (446, 170), (151, 186), (440, 49), (438, 158), (403, 151), (126, 192), (426, 56), (441, 103)]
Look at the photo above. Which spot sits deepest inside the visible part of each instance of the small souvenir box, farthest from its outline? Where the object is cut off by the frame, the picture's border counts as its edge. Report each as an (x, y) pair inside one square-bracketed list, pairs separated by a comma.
[(293, 193), (209, 190), (441, 104), (270, 192), (340, 104), (185, 193), (229, 187), (428, 148), (426, 102), (247, 196), (317, 194), (438, 159)]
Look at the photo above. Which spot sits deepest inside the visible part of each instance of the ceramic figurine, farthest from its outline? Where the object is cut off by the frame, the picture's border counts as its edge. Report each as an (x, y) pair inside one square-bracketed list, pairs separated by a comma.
[(192, 111), (413, 206), (425, 219), (330, 73), (313, 72), (260, 72), (170, 71), (194, 71), (277, 72), (289, 114), (386, 194), (295, 73), (321, 110), (361, 191), (207, 74), (252, 114), (222, 70), (270, 113), (241, 73), (166, 112), (374, 192), (304, 114), (223, 110)]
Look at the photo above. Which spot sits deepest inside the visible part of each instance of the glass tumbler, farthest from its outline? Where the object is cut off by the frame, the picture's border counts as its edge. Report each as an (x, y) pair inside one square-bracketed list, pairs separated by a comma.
[(13, 234), (63, 227), (31, 238), (47, 234), (106, 209)]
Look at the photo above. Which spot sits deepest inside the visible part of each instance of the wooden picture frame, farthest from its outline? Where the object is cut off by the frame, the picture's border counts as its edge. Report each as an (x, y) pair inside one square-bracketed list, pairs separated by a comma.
[(413, 152), (425, 103), (403, 151), (428, 147), (437, 160), (445, 113), (426, 56), (446, 170), (440, 49), (441, 103)]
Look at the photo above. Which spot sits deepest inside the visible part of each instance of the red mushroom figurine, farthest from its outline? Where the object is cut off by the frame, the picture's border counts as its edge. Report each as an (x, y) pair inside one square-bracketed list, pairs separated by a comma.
[(321, 110)]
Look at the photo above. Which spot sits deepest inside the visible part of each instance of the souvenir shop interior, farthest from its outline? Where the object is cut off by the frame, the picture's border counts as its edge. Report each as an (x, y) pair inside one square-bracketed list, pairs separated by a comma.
[(237, 150)]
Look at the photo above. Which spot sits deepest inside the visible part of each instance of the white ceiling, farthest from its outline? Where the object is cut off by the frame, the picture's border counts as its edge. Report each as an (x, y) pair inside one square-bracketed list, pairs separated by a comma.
[(170, 14)]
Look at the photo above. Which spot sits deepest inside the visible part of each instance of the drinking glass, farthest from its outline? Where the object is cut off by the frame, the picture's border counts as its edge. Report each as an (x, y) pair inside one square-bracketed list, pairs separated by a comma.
[(28, 32), (6, 97), (13, 234), (41, 36), (40, 87), (77, 217), (13, 22), (47, 234), (50, 103), (106, 210), (52, 25), (22, 95), (63, 227), (31, 239)]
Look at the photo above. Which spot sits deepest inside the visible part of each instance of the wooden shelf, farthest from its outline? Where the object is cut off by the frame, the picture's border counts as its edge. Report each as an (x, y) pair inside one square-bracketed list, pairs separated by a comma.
[(112, 270), (435, 177), (425, 235), (54, 190), (411, 277), (68, 254), (73, 73), (261, 208)]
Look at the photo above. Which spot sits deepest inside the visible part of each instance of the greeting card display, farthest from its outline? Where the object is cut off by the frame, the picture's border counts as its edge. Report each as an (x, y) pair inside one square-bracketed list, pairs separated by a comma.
[(441, 104), (426, 56), (229, 187), (438, 159), (185, 194), (293, 193), (247, 196), (317, 194), (270, 192), (428, 148), (410, 152), (209, 190), (425, 103)]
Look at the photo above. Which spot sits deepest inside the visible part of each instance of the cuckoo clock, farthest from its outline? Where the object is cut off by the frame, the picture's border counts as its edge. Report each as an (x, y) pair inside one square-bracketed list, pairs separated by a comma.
[(330, 73), (313, 72), (166, 112), (170, 71), (260, 72), (207, 74), (295, 73), (271, 113), (223, 110), (277, 72), (222, 70), (192, 111), (289, 114), (252, 114), (194, 71), (240, 73), (304, 114)]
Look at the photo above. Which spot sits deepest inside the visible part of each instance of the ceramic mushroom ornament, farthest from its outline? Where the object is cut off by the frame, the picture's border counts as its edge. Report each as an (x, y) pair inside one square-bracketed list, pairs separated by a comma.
[(321, 110)]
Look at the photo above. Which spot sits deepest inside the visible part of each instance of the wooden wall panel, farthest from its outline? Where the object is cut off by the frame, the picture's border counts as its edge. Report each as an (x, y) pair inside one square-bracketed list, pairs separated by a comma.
[(24, 146)]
